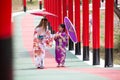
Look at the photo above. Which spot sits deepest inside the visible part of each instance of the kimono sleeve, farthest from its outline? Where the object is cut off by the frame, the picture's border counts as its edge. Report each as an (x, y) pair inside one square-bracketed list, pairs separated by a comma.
[(48, 39), (65, 39)]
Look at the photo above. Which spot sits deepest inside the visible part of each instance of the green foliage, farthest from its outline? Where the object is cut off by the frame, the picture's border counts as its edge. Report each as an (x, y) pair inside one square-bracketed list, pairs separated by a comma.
[(34, 2), (90, 1), (117, 43)]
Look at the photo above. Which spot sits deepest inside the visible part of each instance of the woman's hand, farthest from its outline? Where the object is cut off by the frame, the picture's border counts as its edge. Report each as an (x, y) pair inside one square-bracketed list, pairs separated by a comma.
[(63, 38), (48, 33), (56, 35)]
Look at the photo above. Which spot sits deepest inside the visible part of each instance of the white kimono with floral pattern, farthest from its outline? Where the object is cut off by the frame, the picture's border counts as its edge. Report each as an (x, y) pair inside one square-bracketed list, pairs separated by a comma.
[(39, 45)]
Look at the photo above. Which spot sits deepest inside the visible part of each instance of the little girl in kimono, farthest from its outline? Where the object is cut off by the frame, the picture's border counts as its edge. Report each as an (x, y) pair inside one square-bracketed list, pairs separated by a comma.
[(42, 38), (61, 42)]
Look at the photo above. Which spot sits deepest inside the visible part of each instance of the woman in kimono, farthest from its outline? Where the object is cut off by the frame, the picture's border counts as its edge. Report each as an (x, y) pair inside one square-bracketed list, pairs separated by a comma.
[(41, 40), (61, 40)]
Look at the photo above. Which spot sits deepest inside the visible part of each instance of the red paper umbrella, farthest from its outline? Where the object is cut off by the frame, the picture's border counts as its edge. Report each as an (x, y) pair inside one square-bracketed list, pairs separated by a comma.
[(43, 13)]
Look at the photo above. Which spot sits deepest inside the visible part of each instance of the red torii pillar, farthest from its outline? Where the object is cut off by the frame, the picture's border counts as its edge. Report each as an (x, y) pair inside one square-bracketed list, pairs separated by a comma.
[(50, 2), (6, 40), (48, 8), (109, 33), (55, 12), (40, 4), (70, 15), (96, 32), (77, 25), (64, 9), (85, 30), (59, 12), (24, 5), (44, 4)]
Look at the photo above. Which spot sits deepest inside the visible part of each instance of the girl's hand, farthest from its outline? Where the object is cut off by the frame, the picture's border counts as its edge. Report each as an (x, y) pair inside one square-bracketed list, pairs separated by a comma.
[(56, 35), (63, 38)]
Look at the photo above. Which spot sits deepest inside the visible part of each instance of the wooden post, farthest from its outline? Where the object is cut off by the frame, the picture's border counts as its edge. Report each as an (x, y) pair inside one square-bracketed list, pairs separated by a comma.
[(40, 4), (24, 5), (96, 32), (6, 70), (77, 25), (64, 9), (109, 13), (70, 15), (85, 30)]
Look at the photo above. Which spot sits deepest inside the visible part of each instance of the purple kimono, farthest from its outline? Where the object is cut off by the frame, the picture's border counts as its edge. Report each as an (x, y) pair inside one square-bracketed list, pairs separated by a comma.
[(60, 48)]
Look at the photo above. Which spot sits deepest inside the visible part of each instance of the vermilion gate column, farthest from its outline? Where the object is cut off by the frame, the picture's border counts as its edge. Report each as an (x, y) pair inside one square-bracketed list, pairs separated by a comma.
[(24, 5), (77, 25), (64, 9), (6, 40), (85, 30), (40, 4), (70, 15), (96, 32), (109, 33), (59, 12)]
